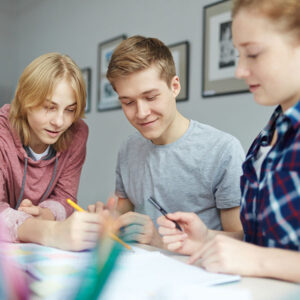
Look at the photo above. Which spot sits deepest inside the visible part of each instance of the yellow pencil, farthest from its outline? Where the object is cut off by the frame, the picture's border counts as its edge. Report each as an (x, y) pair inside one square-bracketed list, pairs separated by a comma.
[(113, 236), (75, 205)]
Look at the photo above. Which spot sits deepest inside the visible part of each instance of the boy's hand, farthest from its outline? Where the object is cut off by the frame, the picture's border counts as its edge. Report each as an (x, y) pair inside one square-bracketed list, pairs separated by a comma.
[(139, 228), (100, 206)]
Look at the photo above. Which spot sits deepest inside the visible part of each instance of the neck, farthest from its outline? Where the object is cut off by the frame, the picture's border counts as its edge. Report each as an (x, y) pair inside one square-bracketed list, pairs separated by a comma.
[(175, 131), (40, 148)]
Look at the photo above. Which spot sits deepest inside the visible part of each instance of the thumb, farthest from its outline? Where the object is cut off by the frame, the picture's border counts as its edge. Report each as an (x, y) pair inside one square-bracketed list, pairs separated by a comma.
[(26, 203), (111, 203)]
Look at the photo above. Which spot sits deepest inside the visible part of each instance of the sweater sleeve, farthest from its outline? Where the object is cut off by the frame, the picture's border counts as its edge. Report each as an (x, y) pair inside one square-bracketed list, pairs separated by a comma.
[(11, 218), (68, 182)]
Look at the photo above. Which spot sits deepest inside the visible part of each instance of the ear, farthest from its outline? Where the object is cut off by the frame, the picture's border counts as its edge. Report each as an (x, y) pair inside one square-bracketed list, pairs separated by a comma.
[(175, 86)]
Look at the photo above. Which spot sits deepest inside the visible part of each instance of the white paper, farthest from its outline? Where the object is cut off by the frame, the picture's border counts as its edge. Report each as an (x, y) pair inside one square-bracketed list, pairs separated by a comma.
[(144, 274)]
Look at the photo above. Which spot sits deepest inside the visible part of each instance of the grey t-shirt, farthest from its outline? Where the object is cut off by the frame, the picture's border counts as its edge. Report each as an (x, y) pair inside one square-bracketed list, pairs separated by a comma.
[(200, 173)]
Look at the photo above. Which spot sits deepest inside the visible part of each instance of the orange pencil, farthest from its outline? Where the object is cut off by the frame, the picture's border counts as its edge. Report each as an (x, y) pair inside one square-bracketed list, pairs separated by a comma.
[(113, 236)]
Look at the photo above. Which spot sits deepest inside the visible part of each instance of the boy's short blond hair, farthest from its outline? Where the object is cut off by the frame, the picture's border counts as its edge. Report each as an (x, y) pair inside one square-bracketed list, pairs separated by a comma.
[(138, 53), (37, 83)]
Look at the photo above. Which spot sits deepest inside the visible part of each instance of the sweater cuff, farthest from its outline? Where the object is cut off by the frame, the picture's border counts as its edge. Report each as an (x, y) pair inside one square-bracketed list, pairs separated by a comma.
[(12, 219), (56, 208)]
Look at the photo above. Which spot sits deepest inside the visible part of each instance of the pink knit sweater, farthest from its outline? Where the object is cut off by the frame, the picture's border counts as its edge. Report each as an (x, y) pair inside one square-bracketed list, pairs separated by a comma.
[(53, 180)]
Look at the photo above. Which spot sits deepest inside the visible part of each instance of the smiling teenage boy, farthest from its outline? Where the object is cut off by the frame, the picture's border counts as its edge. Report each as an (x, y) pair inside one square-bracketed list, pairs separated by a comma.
[(183, 164)]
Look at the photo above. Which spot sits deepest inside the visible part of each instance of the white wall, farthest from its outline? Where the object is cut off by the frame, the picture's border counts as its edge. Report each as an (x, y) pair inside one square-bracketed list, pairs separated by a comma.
[(7, 50), (76, 27)]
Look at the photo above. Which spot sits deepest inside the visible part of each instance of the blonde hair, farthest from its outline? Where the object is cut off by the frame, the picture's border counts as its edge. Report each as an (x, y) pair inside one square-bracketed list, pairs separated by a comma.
[(283, 12), (37, 83), (138, 53)]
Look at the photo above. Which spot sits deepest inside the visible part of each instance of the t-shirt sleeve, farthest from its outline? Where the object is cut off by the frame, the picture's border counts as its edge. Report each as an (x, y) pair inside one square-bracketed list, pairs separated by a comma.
[(119, 188), (228, 172)]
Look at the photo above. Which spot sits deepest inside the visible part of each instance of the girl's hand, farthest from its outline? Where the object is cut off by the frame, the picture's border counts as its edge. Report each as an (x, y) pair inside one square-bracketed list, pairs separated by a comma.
[(35, 211), (187, 242)]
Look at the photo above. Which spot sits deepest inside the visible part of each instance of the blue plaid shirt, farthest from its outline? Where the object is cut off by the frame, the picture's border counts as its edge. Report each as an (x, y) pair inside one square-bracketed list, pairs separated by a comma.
[(270, 210)]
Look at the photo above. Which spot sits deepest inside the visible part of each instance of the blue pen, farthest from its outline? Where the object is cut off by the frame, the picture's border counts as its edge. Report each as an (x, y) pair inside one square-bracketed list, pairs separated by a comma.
[(163, 211)]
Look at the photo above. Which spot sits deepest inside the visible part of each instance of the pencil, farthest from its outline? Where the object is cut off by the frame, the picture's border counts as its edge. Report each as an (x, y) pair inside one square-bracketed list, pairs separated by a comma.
[(75, 205), (113, 236)]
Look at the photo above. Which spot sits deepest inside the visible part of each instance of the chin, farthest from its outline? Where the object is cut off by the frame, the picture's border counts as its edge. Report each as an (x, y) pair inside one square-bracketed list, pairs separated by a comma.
[(50, 141), (150, 136), (262, 101)]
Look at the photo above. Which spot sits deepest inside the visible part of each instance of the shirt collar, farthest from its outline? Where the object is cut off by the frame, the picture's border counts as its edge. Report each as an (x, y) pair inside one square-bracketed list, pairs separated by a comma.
[(277, 118), (293, 114), (266, 134)]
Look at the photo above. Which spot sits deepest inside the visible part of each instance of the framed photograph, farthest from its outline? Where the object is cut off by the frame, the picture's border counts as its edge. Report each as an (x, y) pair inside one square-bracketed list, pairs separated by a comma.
[(107, 97), (219, 55), (86, 73), (181, 56)]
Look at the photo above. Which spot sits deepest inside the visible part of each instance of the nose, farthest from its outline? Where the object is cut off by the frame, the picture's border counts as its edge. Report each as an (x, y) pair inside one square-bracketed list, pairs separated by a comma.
[(242, 70), (58, 119), (142, 109)]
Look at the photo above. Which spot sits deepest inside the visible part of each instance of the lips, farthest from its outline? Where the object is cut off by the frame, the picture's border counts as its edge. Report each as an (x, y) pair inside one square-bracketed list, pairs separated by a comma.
[(52, 133), (147, 123), (253, 87)]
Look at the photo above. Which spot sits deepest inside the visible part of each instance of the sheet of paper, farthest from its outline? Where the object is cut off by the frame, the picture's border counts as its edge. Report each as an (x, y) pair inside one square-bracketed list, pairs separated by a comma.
[(188, 291), (147, 273)]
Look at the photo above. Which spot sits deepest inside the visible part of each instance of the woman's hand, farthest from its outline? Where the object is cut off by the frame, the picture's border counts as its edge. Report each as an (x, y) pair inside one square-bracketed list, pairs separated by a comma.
[(223, 254), (80, 231), (189, 240), (36, 211)]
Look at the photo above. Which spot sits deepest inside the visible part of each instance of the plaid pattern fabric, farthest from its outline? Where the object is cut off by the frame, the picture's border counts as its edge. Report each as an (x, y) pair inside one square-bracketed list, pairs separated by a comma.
[(270, 210)]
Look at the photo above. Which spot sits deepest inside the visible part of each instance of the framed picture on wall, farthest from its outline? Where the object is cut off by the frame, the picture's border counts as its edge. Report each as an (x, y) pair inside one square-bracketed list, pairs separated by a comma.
[(107, 97), (181, 55), (219, 56), (86, 73)]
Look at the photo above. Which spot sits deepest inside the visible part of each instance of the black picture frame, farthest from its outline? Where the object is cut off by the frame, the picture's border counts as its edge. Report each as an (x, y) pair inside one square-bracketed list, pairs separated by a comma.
[(181, 55), (219, 58), (107, 97), (86, 73)]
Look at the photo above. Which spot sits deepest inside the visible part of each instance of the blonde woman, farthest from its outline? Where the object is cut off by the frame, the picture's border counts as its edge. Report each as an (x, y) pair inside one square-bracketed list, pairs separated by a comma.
[(42, 150)]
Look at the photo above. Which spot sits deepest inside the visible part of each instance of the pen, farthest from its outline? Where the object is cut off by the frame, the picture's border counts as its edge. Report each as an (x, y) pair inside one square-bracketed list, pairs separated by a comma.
[(113, 236), (163, 211)]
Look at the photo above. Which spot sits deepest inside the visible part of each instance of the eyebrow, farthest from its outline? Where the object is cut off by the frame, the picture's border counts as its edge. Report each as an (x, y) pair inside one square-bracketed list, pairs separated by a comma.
[(55, 103), (144, 93), (124, 98), (73, 104), (150, 91), (247, 44)]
